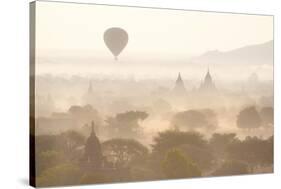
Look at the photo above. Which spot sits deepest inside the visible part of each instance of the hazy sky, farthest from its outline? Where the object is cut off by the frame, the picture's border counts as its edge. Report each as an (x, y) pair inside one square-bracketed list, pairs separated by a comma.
[(79, 28)]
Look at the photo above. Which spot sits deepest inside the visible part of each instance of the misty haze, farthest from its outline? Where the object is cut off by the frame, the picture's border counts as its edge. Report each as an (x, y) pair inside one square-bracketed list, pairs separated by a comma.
[(151, 100)]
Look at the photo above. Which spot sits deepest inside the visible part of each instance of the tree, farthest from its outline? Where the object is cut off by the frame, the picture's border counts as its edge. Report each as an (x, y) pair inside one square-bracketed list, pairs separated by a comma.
[(131, 116), (126, 124), (124, 152), (266, 114), (81, 111), (49, 142), (249, 118), (231, 168), (219, 142), (73, 139), (143, 172), (211, 118), (268, 156), (63, 174), (48, 159), (190, 119), (194, 119), (173, 138), (66, 143), (202, 156), (84, 114), (176, 165), (253, 151)]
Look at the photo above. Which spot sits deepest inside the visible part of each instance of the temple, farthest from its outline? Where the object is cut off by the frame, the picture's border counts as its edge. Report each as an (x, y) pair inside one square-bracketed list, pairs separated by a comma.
[(208, 86), (93, 152), (88, 97), (179, 88)]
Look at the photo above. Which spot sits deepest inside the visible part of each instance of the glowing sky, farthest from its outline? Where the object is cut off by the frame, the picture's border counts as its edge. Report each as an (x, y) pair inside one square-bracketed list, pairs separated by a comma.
[(79, 28)]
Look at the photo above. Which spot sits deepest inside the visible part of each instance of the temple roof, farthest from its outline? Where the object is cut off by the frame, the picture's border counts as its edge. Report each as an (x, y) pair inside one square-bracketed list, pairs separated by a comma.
[(179, 80), (93, 146), (208, 85), (179, 87), (208, 77)]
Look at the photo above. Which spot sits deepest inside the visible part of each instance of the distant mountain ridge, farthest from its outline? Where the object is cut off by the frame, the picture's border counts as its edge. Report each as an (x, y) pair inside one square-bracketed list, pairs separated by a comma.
[(252, 54)]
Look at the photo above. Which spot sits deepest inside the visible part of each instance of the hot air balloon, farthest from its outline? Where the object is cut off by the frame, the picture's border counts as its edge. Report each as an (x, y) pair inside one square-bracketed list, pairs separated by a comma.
[(116, 40)]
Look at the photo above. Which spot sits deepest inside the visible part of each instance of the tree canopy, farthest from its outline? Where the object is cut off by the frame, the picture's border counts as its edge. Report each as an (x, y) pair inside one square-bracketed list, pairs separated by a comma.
[(172, 138), (193, 119), (63, 174), (231, 168), (219, 142), (123, 152), (176, 165), (252, 150), (249, 118), (267, 114), (125, 124)]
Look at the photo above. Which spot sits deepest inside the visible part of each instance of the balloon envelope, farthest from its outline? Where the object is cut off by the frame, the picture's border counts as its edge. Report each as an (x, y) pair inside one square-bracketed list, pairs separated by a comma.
[(116, 40)]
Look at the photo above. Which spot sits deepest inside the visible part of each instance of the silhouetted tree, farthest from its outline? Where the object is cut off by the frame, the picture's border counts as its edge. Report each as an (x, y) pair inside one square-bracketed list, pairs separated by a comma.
[(172, 138), (123, 152), (143, 172), (49, 143), (202, 156), (193, 119), (219, 143), (84, 115), (268, 157), (66, 143), (253, 151), (165, 141), (190, 119), (176, 165), (63, 174), (73, 139), (231, 168), (211, 117), (266, 114), (48, 159), (125, 124), (249, 118)]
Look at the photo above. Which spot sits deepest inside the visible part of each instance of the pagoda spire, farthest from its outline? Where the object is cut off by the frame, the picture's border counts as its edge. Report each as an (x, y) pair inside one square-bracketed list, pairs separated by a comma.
[(208, 77), (179, 79), (208, 84), (93, 152), (179, 87)]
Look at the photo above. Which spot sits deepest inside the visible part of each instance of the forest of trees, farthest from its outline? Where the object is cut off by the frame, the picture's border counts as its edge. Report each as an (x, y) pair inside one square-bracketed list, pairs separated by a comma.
[(178, 152)]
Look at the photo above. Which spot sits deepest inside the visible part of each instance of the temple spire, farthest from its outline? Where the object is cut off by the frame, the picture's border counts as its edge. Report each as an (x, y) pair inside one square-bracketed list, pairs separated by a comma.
[(179, 87), (208, 77), (208, 85), (179, 77), (179, 80), (93, 153)]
